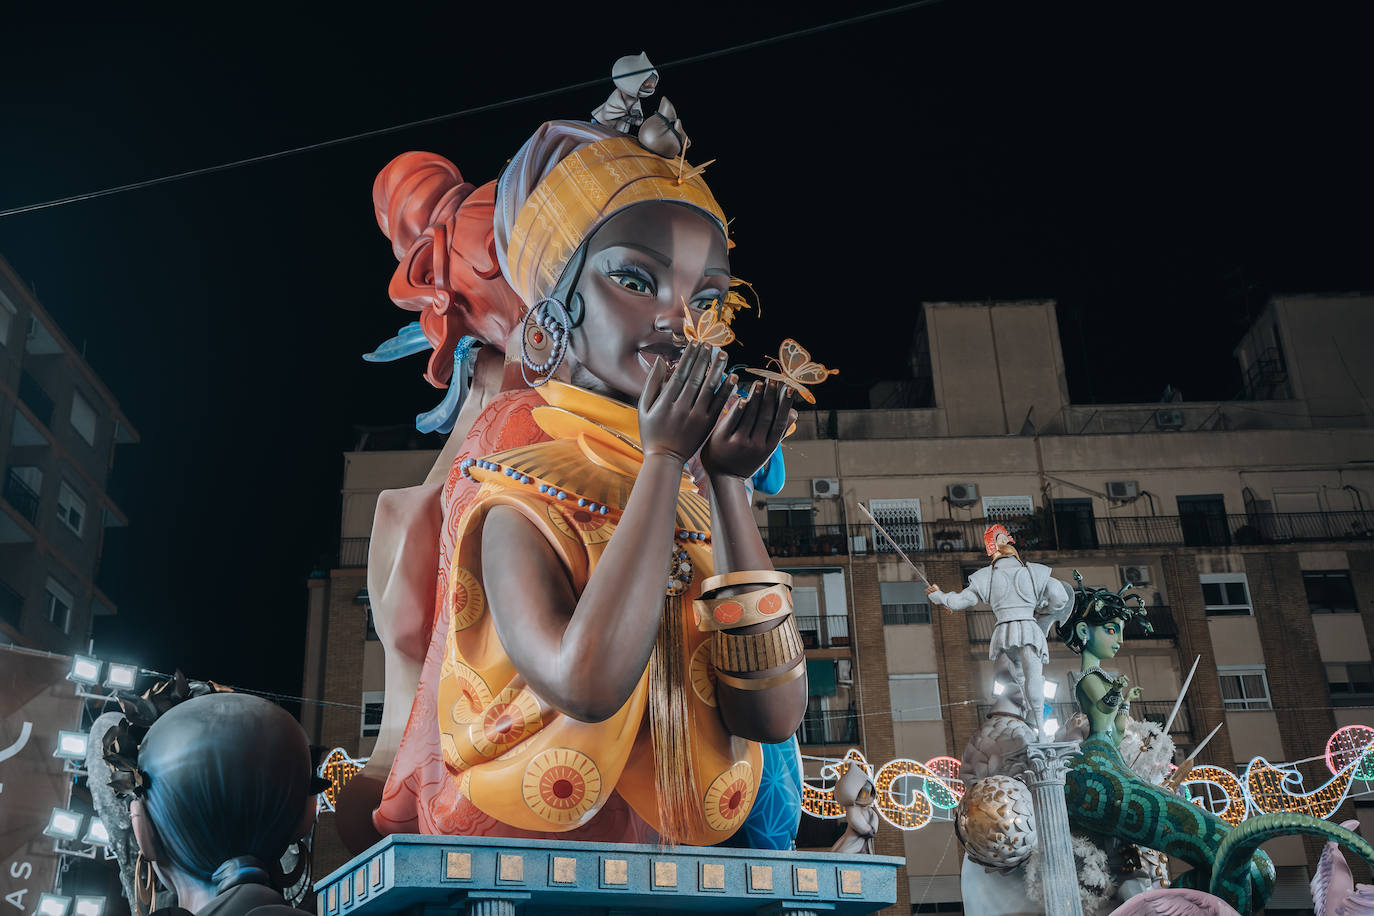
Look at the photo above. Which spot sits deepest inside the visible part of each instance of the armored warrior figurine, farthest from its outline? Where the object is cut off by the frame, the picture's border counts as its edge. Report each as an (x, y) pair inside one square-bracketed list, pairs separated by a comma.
[(1026, 600)]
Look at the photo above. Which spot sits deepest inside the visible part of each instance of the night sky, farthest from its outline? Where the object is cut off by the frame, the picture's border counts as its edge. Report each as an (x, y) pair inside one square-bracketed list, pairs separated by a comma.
[(1157, 169)]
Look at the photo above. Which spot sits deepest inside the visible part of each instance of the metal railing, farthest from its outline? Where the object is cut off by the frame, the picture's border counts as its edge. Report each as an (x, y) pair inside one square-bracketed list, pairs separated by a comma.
[(981, 624), (1155, 711), (353, 553), (1032, 533), (823, 632), (36, 398), (21, 496), (11, 605), (829, 726)]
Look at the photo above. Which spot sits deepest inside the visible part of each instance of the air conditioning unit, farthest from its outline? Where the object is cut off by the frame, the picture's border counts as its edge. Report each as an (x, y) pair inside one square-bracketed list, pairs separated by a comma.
[(825, 487), (962, 494), (1169, 419), (1122, 489), (1138, 576), (950, 545)]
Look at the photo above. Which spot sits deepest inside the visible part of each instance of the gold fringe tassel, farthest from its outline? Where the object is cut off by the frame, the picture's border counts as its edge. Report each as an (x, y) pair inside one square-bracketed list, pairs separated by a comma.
[(679, 809)]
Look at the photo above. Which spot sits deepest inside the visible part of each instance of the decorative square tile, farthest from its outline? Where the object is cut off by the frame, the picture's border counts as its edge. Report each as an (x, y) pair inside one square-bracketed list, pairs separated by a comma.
[(510, 868), (360, 883), (458, 866), (374, 868), (346, 888), (332, 898), (760, 877), (665, 874), (851, 881), (806, 880), (564, 870), (712, 876), (615, 872)]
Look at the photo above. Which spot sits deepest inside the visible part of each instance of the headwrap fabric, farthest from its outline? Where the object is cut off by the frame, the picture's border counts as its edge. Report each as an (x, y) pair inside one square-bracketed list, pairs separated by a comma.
[(563, 184)]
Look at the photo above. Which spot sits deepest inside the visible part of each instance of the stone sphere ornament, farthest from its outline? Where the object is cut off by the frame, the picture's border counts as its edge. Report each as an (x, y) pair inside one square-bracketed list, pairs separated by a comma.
[(996, 822)]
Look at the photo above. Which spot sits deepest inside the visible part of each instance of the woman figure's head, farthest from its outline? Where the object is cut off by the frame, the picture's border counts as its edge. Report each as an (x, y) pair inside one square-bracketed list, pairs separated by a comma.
[(229, 787), (1097, 625)]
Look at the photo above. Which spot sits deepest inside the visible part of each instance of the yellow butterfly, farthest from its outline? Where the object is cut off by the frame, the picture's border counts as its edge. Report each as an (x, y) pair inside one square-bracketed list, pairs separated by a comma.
[(708, 329), (797, 369)]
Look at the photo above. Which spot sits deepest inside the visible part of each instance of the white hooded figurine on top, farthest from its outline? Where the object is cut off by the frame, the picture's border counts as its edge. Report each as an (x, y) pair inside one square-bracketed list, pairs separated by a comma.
[(1026, 599)]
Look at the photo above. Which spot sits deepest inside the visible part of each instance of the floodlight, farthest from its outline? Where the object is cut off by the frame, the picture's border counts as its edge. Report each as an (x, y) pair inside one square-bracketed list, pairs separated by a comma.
[(52, 905), (96, 835), (998, 688), (121, 677), (89, 906), (63, 825), (1051, 689), (1050, 728), (85, 670), (71, 745)]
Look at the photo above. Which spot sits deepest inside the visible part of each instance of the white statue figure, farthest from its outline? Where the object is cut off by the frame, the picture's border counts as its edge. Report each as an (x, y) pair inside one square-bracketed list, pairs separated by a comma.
[(1026, 600), (855, 792)]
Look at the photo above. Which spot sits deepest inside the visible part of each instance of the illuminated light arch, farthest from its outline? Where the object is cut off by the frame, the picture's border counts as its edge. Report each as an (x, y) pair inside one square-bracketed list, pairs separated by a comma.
[(1226, 782), (338, 768), (939, 788), (820, 802), (1268, 789), (1348, 743)]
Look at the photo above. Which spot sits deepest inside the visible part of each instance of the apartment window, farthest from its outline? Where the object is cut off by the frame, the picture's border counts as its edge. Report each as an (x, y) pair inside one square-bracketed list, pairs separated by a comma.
[(372, 712), (58, 605), (901, 518), (1073, 519), (1005, 508), (83, 418), (915, 697), (904, 602), (1329, 592), (1203, 520), (1244, 688), (1226, 594), (789, 513), (7, 313), (1350, 682), (71, 508)]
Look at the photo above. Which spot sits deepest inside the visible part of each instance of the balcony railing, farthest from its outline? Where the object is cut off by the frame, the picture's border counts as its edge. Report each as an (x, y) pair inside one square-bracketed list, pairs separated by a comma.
[(1152, 710), (823, 632), (37, 399), (829, 726), (21, 496), (11, 605), (981, 623), (1135, 531), (353, 553)]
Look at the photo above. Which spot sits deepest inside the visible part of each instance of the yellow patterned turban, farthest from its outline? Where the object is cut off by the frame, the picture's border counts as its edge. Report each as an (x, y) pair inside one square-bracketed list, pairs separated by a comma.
[(558, 191)]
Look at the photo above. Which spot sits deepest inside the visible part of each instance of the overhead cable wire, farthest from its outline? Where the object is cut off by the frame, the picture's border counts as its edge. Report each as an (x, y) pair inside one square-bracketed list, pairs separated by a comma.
[(467, 112)]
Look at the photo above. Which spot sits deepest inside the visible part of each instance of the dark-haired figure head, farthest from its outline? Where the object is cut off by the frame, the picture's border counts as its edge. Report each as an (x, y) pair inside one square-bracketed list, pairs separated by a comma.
[(229, 787), (1095, 630)]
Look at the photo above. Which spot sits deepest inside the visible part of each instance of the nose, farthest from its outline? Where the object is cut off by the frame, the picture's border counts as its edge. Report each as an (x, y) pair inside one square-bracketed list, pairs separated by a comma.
[(669, 320)]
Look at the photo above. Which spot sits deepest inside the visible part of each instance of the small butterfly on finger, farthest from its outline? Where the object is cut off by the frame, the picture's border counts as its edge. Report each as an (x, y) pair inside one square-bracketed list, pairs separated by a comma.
[(796, 368), (709, 329)]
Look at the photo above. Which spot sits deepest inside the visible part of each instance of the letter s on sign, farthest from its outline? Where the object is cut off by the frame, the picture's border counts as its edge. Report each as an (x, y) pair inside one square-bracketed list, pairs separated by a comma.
[(21, 870)]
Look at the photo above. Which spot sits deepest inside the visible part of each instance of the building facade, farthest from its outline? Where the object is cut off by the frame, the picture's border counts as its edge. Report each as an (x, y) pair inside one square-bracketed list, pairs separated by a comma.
[(1247, 525), (59, 429)]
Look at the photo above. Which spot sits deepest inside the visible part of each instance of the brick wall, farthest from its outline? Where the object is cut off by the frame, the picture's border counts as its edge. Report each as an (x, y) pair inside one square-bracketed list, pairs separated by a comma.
[(1195, 639), (954, 656), (345, 637)]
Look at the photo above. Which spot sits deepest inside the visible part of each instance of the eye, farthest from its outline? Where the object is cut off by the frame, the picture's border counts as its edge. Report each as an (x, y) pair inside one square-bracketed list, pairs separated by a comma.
[(633, 279), (707, 299)]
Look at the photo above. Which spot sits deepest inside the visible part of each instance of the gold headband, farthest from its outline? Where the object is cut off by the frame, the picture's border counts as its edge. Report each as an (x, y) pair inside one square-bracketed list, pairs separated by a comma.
[(578, 195)]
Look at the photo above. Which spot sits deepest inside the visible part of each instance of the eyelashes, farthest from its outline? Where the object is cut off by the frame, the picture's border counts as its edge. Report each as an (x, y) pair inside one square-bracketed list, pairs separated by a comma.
[(638, 280)]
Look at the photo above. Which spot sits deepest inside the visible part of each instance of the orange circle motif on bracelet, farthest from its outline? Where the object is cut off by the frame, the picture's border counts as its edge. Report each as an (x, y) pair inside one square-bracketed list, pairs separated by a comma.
[(466, 601), (770, 603), (729, 797), (728, 612), (561, 785), (512, 718)]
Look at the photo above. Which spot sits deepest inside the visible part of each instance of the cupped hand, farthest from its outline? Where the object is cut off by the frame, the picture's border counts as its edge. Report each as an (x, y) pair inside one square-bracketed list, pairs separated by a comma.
[(744, 438), (678, 409), (1133, 694)]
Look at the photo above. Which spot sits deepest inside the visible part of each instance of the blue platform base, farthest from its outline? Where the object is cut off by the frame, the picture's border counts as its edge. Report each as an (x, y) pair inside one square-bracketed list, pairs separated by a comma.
[(497, 877)]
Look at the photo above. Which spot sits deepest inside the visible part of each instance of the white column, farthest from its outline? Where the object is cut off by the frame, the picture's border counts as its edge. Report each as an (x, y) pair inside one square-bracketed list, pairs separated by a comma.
[(1046, 767)]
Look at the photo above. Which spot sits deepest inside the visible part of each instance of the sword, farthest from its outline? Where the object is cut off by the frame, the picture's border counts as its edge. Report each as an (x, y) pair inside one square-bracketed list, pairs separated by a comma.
[(901, 553), (1181, 694)]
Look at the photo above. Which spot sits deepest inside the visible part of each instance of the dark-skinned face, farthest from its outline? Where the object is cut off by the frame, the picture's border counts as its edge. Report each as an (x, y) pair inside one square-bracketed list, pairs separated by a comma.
[(641, 266)]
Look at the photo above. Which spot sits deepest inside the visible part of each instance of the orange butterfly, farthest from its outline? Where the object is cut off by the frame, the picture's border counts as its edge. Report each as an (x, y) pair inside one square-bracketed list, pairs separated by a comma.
[(797, 369), (708, 329)]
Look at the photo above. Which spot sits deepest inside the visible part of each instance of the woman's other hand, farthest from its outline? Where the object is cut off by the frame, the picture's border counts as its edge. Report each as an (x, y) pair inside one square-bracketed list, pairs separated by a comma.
[(678, 410), (744, 438)]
